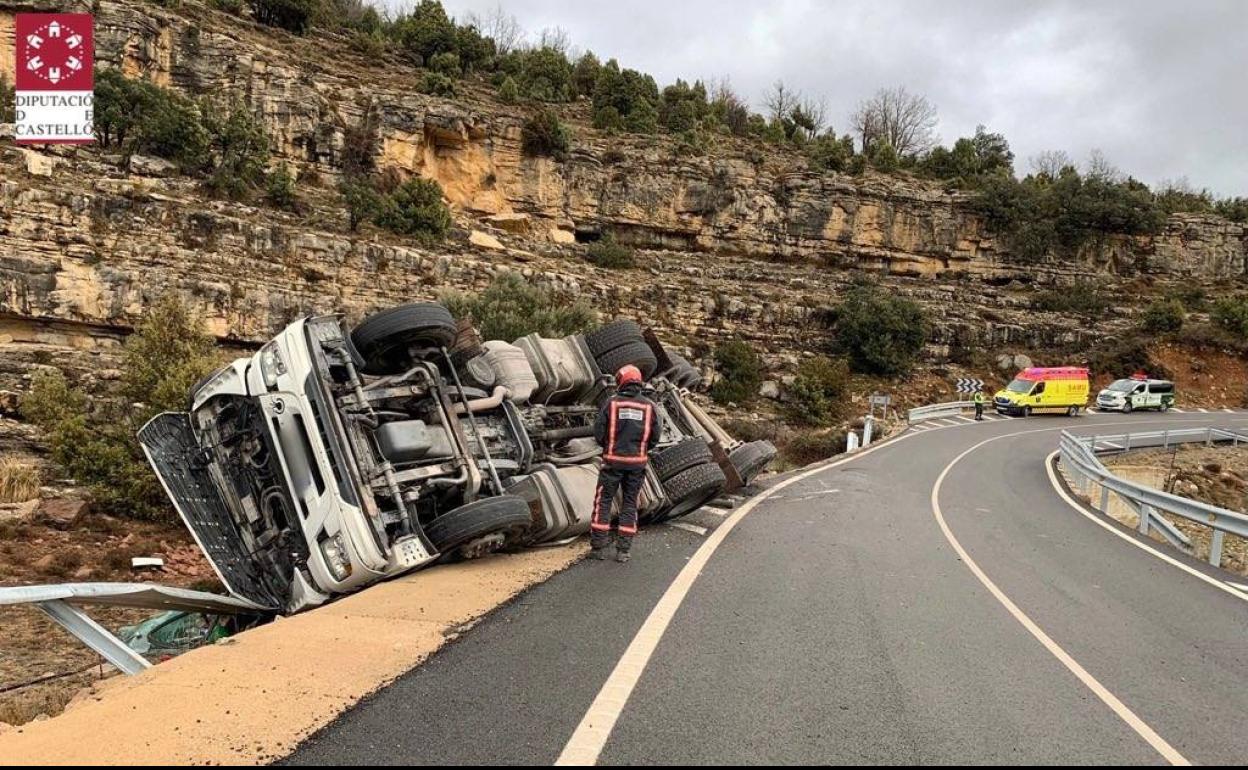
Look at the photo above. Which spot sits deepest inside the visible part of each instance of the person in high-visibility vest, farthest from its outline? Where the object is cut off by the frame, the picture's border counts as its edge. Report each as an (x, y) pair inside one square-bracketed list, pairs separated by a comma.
[(627, 428), (979, 405)]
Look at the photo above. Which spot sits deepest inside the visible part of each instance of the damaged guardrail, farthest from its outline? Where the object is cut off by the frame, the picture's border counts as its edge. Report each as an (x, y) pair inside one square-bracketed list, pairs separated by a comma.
[(1079, 458), (937, 411), (59, 602)]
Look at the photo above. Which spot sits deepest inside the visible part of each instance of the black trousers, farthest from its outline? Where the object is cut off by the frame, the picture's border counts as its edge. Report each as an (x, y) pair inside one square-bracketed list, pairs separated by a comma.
[(610, 481), (979, 410)]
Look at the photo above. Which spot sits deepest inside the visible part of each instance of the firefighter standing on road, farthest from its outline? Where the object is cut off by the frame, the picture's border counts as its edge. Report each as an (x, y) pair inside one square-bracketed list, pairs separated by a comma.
[(627, 429), (979, 405)]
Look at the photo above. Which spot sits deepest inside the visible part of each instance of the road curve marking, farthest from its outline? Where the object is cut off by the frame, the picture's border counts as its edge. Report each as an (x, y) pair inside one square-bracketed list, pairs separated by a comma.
[(590, 736), (686, 526), (1061, 491), (1119, 708)]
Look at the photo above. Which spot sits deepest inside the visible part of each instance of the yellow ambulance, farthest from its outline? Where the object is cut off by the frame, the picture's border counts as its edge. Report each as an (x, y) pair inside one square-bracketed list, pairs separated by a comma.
[(1044, 389)]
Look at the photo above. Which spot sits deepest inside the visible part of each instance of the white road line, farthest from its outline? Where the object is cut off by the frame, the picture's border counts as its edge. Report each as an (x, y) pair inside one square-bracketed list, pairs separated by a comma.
[(948, 423), (686, 526), (1109, 699), (1240, 586), (966, 419), (1202, 410), (1228, 410), (1176, 410), (590, 736), (720, 512)]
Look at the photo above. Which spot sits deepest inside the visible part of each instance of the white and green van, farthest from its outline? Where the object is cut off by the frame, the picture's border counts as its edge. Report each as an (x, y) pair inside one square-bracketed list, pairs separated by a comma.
[(1136, 393)]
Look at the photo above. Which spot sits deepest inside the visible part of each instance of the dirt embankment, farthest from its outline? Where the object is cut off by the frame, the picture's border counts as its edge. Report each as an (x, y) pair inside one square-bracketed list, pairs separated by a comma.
[(1214, 475)]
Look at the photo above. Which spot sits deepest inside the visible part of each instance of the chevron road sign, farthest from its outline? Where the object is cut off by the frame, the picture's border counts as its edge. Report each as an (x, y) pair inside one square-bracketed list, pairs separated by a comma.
[(966, 385)]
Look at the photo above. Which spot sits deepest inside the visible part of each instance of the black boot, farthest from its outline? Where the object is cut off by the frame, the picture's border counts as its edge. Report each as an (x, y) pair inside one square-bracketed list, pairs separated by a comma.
[(598, 554), (621, 556)]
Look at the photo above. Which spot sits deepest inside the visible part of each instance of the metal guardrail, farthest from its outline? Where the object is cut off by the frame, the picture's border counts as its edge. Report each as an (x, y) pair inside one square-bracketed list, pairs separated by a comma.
[(937, 411), (1080, 460), (59, 603)]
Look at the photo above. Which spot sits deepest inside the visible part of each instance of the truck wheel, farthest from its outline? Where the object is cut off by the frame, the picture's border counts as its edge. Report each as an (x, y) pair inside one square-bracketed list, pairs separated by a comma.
[(680, 457), (690, 488), (1026, 411), (506, 514), (384, 338), (752, 458), (638, 354), (1072, 411), (614, 335)]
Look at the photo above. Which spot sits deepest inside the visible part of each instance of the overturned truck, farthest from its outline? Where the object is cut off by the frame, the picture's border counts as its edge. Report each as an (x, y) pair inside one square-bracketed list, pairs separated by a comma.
[(337, 457)]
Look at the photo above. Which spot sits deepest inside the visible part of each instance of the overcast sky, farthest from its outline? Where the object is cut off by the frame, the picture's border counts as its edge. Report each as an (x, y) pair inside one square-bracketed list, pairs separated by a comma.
[(1161, 87)]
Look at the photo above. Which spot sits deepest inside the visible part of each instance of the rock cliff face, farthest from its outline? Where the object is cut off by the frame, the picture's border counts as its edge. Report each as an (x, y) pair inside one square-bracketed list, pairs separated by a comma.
[(740, 241)]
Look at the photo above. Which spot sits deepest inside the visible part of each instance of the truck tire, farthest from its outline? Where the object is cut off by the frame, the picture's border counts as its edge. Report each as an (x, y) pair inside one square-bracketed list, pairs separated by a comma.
[(505, 514), (752, 458), (614, 335), (680, 457), (638, 354), (692, 487), (383, 338)]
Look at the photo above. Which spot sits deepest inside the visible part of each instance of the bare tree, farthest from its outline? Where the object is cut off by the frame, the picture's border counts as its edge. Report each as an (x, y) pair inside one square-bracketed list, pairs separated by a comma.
[(1050, 163), (813, 114), (780, 100), (1099, 167), (556, 38), (730, 107), (899, 118), (501, 26)]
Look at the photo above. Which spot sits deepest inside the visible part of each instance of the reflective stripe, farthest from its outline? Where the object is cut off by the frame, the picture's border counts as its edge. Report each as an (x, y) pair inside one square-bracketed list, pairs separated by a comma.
[(641, 457), (602, 527), (628, 530), (627, 459)]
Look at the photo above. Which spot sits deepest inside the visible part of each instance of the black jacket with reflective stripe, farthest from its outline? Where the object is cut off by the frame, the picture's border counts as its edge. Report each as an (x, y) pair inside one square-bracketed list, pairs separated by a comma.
[(627, 428)]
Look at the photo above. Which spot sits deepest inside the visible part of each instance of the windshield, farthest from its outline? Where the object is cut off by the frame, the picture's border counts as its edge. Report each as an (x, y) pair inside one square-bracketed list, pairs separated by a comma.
[(1123, 386), (1020, 386)]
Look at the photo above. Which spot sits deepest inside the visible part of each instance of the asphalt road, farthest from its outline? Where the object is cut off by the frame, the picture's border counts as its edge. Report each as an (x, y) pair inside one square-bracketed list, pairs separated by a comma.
[(838, 624)]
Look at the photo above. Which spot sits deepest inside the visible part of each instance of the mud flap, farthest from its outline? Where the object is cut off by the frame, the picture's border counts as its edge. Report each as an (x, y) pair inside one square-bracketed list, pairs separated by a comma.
[(171, 449)]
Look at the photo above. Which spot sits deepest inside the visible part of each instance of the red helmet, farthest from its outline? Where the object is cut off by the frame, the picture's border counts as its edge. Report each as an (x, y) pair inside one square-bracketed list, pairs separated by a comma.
[(627, 374)]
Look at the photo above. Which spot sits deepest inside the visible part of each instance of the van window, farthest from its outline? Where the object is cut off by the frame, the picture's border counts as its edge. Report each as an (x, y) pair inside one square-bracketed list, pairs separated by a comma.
[(1039, 389), (1162, 387), (1019, 386), (1141, 387), (1122, 386)]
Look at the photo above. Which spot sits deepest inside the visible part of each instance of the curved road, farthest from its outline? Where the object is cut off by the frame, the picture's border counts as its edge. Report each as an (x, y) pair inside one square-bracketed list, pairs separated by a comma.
[(932, 600)]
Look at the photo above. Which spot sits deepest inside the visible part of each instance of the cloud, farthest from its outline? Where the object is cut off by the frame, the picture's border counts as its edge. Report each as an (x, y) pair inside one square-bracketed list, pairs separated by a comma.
[(1160, 88)]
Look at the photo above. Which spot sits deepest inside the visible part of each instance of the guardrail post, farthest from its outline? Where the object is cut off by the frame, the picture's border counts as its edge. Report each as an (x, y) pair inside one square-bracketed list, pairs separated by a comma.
[(1165, 439), (851, 441), (866, 431), (94, 635), (1104, 499), (1126, 444), (1145, 511), (1215, 548), (1208, 437)]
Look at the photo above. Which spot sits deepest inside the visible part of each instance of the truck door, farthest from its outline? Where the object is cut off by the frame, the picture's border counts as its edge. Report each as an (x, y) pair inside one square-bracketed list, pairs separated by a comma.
[(1037, 394)]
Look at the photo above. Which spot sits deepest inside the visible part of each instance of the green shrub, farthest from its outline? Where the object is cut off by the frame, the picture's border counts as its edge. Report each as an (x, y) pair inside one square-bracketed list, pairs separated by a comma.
[(509, 92), (809, 447), (94, 440), (291, 15), (1234, 209), (546, 75), (585, 74), (608, 119), (879, 332), (971, 158), (631, 94), (510, 307), (642, 119), (360, 144), (415, 208), (234, 7), (1123, 358), (239, 150), (828, 153), (819, 394), (884, 158), (138, 117), (362, 200), (1082, 298), (426, 32), (446, 63), (1190, 296), (1163, 316), (740, 373), (436, 84), (611, 255), (1231, 315), (280, 189), (544, 134)]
